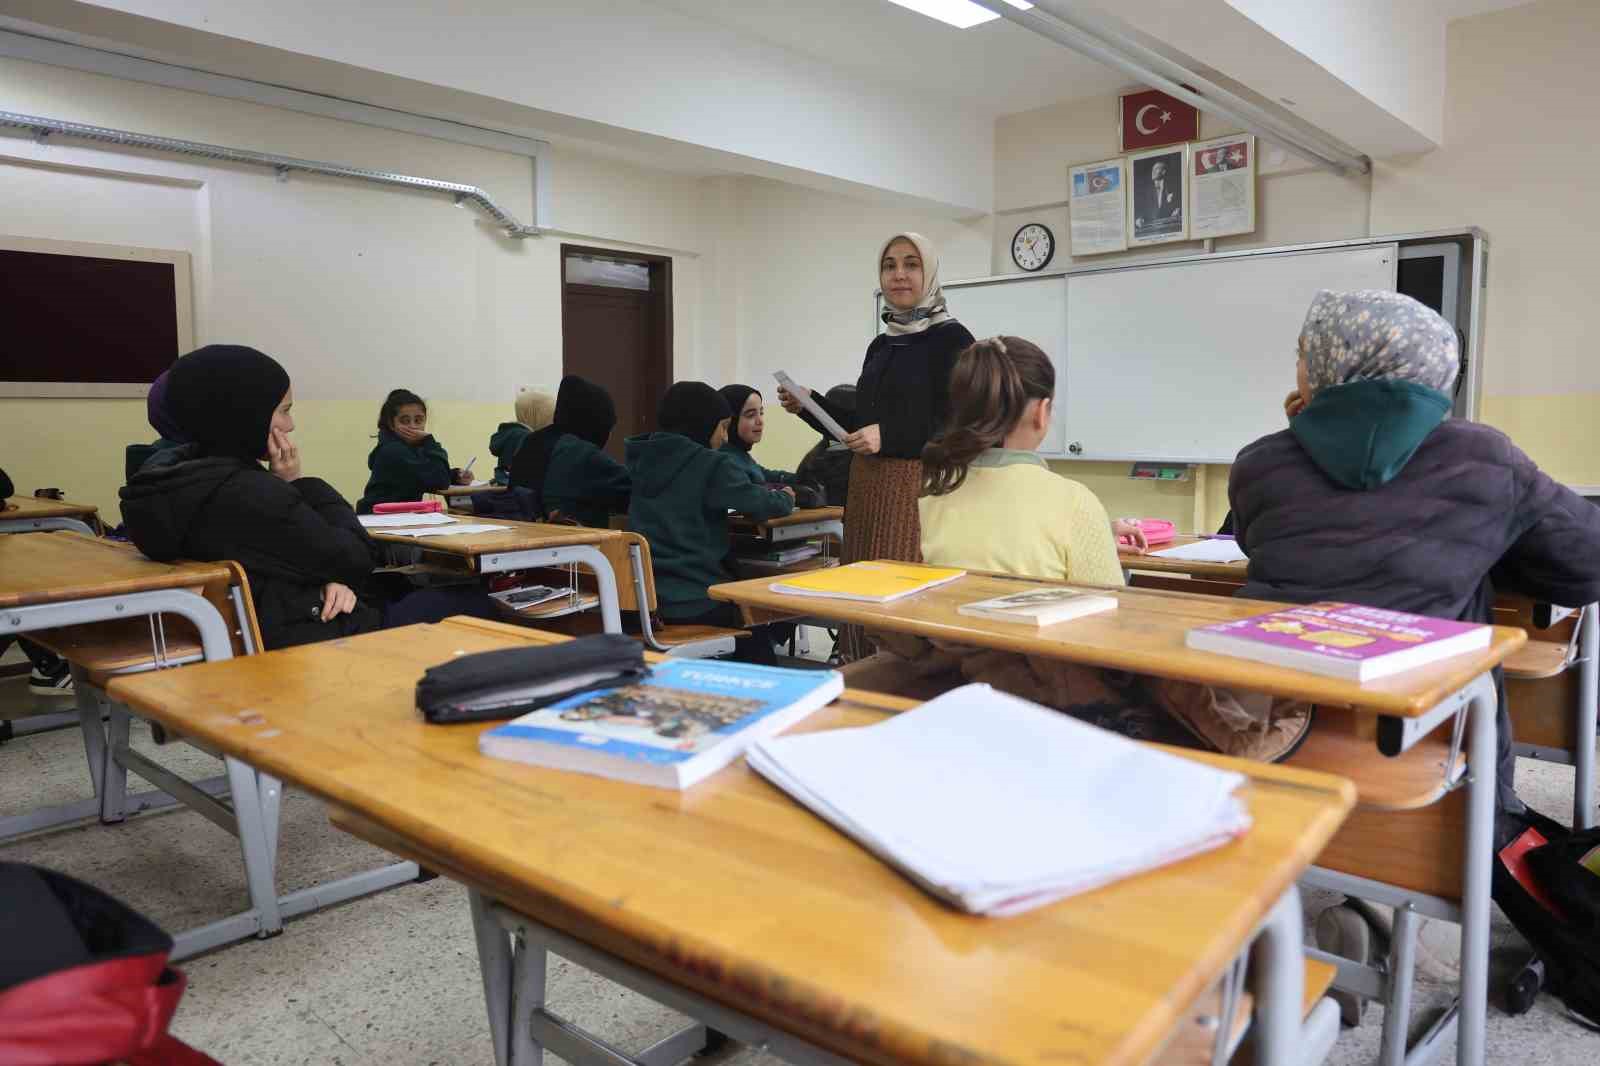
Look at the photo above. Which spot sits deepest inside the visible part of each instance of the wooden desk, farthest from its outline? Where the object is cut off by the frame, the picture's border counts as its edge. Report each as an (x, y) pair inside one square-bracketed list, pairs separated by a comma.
[(797, 525), (734, 903), (468, 490), (1224, 579), (52, 580), (526, 546), (29, 514), (1145, 634), (1155, 564)]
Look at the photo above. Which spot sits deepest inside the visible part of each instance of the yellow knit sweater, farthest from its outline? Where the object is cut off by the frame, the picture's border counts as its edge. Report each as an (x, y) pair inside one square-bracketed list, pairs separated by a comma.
[(1013, 516)]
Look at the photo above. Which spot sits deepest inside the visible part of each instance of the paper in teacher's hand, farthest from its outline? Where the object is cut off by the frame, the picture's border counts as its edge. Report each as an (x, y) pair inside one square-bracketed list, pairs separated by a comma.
[(835, 430)]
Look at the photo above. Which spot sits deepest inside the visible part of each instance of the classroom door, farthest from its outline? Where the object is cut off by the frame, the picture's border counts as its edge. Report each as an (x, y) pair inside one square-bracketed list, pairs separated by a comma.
[(616, 330)]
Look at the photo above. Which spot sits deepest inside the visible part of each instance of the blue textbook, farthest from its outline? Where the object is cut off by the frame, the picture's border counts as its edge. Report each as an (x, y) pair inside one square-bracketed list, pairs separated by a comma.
[(687, 720)]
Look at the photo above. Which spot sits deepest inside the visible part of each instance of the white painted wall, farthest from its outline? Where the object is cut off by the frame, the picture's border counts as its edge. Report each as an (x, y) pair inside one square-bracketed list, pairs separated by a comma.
[(623, 63), (1391, 53)]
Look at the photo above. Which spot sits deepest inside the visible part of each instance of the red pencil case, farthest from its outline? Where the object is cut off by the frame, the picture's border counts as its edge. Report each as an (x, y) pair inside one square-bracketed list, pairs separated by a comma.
[(1156, 531), (413, 507)]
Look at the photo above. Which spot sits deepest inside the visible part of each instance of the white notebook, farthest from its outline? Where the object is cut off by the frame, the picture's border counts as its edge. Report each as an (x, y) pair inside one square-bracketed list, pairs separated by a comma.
[(998, 805), (1215, 550), (405, 520)]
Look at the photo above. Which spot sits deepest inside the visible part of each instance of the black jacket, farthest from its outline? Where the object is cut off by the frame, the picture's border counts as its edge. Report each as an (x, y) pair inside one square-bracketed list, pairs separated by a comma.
[(1467, 513), (291, 538), (904, 388)]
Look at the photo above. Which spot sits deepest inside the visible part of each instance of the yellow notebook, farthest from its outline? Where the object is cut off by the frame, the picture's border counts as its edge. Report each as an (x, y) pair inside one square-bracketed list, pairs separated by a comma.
[(872, 582)]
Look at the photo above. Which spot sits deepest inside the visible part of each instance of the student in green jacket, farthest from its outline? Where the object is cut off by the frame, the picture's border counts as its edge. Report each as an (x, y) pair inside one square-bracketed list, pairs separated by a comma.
[(683, 489), (406, 462), (535, 408), (745, 431), (564, 465)]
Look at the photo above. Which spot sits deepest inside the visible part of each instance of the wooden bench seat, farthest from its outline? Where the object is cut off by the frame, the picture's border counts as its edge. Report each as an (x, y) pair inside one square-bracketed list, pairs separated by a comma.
[(1536, 660), (1191, 1044)]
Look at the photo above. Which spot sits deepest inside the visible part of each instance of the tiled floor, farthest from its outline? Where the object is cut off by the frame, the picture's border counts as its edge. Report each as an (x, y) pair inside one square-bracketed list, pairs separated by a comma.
[(392, 979)]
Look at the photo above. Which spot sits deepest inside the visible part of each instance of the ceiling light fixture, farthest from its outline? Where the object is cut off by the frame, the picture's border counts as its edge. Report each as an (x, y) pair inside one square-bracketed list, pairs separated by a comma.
[(962, 14)]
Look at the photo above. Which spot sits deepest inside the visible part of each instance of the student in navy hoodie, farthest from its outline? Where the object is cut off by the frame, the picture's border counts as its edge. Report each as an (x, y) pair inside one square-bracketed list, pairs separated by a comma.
[(683, 489), (406, 462), (564, 466)]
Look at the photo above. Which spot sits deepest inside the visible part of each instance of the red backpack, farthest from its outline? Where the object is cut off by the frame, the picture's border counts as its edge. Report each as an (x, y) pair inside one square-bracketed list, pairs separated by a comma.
[(83, 978)]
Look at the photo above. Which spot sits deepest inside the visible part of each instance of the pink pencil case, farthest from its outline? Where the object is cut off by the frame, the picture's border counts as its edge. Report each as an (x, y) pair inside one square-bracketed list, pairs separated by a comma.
[(1156, 531), (415, 507)]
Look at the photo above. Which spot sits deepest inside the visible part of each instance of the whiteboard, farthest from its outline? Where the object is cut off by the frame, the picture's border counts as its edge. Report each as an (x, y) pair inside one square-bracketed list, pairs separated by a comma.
[(1032, 308), (1189, 362)]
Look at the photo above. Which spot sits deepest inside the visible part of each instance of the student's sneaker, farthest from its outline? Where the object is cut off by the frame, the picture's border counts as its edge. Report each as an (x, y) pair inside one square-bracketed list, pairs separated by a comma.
[(57, 682)]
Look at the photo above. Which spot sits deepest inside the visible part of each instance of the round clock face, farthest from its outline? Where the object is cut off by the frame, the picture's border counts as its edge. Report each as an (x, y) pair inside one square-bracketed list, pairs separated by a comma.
[(1033, 247)]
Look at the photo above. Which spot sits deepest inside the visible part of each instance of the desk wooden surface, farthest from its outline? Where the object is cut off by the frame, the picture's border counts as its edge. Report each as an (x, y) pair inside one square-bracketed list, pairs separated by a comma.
[(734, 890), (519, 536), (53, 567), (794, 518), (1132, 560), (33, 507), (468, 490), (1145, 635)]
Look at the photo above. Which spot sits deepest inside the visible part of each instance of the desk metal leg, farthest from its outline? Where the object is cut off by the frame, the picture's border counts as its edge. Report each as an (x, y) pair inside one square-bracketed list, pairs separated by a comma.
[(253, 843), (1481, 765), (1278, 959), (94, 731), (1583, 800), (586, 555), (1402, 971), (494, 962)]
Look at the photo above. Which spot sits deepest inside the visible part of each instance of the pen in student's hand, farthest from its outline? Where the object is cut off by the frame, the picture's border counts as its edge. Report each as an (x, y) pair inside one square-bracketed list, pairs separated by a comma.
[(470, 463)]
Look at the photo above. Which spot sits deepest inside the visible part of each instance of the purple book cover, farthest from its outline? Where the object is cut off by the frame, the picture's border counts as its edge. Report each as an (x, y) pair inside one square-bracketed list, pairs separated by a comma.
[(1341, 630)]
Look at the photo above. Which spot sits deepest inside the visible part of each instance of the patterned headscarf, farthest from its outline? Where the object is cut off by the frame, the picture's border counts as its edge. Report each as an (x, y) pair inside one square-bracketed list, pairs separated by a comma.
[(1375, 335), (930, 308)]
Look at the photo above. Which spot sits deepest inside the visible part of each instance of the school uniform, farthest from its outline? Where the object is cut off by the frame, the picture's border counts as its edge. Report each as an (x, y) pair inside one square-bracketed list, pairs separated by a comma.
[(564, 467), (402, 472), (757, 473), (1013, 516), (504, 444)]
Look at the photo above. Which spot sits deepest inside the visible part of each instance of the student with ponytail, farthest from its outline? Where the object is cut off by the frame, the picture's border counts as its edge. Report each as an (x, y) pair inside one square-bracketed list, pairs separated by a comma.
[(990, 503)]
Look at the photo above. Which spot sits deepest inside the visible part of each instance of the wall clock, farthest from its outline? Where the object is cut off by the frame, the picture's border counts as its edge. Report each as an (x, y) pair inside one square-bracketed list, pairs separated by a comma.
[(1033, 247)]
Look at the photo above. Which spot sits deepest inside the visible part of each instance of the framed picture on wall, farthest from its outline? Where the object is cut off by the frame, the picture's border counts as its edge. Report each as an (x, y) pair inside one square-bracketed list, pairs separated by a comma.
[(1157, 196), (1222, 186), (90, 319), (1098, 195)]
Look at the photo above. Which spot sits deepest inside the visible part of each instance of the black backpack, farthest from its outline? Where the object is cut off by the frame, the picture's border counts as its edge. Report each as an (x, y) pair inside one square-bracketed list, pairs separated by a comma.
[(1564, 925)]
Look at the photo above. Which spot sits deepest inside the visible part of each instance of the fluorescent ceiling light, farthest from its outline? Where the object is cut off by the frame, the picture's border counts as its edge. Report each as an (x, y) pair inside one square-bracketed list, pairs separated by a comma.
[(962, 14)]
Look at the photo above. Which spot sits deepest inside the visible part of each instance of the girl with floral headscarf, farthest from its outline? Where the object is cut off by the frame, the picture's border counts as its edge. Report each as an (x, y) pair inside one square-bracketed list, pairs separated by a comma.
[(1375, 495)]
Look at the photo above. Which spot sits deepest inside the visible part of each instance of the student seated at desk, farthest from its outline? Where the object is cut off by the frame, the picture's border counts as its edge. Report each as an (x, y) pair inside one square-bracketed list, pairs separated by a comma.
[(168, 433), (683, 489), (534, 409), (1375, 495), (745, 432), (564, 466), (828, 462), (406, 462), (990, 503), (308, 560)]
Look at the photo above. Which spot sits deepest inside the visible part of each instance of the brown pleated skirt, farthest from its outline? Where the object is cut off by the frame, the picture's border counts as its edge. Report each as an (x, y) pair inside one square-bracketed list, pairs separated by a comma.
[(880, 522)]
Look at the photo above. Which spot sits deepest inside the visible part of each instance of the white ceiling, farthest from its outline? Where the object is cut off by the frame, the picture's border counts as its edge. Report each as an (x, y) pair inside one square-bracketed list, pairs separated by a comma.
[(994, 69)]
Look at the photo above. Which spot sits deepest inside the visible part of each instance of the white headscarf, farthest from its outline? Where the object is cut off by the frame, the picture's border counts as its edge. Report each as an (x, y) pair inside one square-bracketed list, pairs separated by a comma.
[(930, 309)]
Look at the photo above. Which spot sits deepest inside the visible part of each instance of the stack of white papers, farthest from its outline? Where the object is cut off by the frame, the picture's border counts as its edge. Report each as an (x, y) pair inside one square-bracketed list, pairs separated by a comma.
[(401, 520), (1215, 550), (456, 530), (998, 805)]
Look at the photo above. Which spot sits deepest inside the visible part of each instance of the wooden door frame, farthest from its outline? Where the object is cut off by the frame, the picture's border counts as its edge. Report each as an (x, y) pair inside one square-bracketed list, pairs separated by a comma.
[(659, 301)]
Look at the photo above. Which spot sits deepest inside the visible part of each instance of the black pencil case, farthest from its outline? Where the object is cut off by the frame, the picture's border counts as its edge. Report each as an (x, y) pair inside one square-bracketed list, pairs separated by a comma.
[(514, 681)]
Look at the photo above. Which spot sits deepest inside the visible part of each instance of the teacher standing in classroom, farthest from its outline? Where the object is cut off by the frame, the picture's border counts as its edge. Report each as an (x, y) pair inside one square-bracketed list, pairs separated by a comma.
[(902, 398)]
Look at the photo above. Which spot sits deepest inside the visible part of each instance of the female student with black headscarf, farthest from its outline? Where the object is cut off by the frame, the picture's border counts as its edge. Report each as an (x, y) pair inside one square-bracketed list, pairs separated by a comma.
[(565, 466), (308, 559), (683, 489), (745, 431)]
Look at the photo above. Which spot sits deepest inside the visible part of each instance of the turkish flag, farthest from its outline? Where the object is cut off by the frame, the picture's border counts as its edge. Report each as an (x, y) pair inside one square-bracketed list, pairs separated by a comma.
[(1151, 119)]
